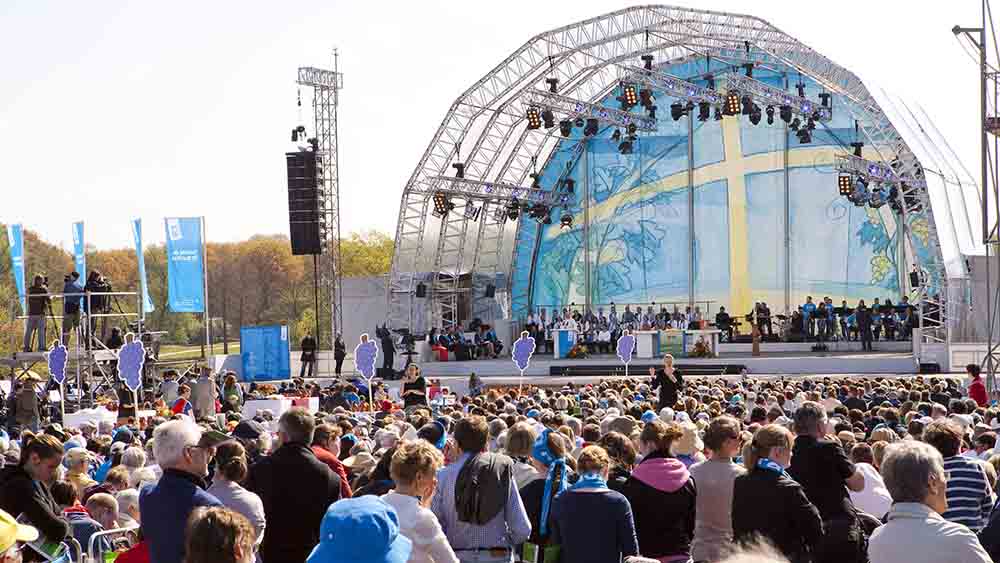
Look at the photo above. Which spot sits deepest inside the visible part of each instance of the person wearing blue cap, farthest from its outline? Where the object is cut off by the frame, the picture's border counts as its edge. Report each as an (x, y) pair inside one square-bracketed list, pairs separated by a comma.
[(548, 457), (361, 530), (648, 416)]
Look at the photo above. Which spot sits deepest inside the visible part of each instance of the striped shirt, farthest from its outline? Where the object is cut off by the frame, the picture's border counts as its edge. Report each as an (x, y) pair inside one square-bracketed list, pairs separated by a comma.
[(968, 491)]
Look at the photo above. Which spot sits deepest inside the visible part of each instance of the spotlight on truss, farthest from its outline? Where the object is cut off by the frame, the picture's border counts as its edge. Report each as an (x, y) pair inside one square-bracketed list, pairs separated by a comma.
[(676, 110), (513, 208), (786, 113), (442, 204), (647, 62), (858, 148), (534, 118), (755, 114), (704, 111), (471, 211), (770, 115), (625, 147), (591, 128), (646, 98), (566, 221), (629, 97), (617, 135), (548, 119), (732, 106), (845, 184), (553, 84), (565, 128), (459, 169)]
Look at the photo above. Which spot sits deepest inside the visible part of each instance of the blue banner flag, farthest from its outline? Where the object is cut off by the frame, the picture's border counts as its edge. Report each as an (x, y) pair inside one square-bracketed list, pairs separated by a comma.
[(147, 303), (15, 236), (79, 250), (264, 353), (185, 268)]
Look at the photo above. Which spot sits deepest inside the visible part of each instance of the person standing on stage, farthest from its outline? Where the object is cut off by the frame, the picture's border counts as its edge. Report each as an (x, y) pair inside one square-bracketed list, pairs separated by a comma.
[(808, 310), (71, 307), (308, 357), (339, 353), (38, 301), (863, 315), (669, 381)]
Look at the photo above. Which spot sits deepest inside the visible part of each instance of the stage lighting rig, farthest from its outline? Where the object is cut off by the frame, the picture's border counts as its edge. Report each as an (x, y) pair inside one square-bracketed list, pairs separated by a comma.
[(860, 194), (513, 208), (801, 88), (617, 135), (676, 110), (755, 114), (747, 103), (785, 112), (858, 147), (732, 106), (704, 111), (536, 180), (299, 131), (877, 198), (442, 204), (591, 128), (718, 114), (579, 111), (824, 98), (471, 211), (566, 221), (795, 124), (770, 115), (646, 98), (845, 184), (565, 128), (631, 130), (647, 62), (570, 185), (629, 97), (548, 119), (553, 84), (805, 136), (625, 147), (459, 169), (534, 118)]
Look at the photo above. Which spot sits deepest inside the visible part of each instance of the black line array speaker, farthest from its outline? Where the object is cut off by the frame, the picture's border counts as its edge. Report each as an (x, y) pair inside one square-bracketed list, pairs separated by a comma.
[(491, 290), (421, 290), (306, 203)]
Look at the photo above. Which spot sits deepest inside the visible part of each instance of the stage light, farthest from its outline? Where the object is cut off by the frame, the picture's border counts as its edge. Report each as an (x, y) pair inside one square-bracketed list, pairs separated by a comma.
[(578, 122), (566, 221), (747, 102), (786, 113), (704, 111), (710, 82), (795, 124), (770, 115), (860, 192), (748, 67), (536, 180), (629, 97), (591, 128), (845, 184), (811, 124), (825, 99), (857, 148), (651, 112), (534, 119), (617, 135), (801, 88), (732, 106), (805, 136), (512, 209), (646, 98), (549, 119), (718, 113), (676, 110), (570, 185), (631, 129), (471, 211), (755, 114), (647, 62), (459, 169), (547, 220), (442, 204), (877, 198), (625, 147), (553, 84), (565, 127)]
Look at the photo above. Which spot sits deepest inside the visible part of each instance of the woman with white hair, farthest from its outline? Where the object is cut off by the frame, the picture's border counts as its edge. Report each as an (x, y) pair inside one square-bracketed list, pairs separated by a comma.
[(916, 531), (134, 460), (128, 508)]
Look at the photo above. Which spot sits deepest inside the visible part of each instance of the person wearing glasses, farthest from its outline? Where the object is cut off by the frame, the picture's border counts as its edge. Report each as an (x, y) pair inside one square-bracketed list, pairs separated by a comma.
[(183, 451)]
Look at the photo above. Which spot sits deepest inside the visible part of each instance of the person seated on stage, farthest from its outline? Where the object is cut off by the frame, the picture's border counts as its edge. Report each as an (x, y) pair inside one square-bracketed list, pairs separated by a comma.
[(491, 338), (905, 322), (724, 323), (808, 314), (603, 339), (484, 349), (577, 316), (628, 318), (852, 326), (889, 321)]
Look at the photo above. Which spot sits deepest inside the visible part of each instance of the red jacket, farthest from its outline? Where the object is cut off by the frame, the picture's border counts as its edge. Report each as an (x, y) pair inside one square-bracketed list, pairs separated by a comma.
[(977, 392), (327, 457), (139, 553)]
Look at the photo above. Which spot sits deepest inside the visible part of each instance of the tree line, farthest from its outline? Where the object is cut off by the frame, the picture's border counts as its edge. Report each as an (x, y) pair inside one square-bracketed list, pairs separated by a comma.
[(252, 282)]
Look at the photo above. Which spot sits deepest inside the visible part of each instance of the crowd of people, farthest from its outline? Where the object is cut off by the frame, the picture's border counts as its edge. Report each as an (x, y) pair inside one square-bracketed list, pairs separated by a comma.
[(664, 468)]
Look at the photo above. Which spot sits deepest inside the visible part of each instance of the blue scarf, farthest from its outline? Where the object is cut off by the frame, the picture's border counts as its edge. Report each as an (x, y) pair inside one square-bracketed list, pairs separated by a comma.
[(592, 480), (543, 454), (769, 465)]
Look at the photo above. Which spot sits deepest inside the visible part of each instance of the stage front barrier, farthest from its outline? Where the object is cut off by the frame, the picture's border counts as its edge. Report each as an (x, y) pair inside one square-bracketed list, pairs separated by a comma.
[(647, 344), (563, 341)]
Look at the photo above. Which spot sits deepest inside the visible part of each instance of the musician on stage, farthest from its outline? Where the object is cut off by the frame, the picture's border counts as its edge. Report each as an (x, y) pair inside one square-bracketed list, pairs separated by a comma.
[(764, 319), (844, 312), (724, 323), (808, 311)]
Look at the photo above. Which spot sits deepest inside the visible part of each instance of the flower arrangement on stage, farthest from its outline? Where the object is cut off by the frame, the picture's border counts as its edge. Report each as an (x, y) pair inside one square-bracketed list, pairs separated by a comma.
[(579, 351)]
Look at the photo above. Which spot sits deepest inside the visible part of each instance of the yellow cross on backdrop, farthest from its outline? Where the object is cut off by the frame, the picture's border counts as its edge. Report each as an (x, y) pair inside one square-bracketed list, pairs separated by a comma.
[(733, 168)]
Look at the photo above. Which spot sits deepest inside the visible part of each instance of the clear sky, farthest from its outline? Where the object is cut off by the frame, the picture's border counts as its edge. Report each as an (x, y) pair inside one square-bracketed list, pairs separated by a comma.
[(111, 111)]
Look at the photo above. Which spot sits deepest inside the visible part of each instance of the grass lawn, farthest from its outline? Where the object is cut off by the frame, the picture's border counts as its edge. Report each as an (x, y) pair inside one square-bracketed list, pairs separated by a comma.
[(191, 352)]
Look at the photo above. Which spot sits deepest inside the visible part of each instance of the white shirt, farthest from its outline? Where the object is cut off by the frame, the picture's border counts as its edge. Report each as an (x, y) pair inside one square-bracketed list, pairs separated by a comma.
[(874, 498), (917, 534), (419, 524)]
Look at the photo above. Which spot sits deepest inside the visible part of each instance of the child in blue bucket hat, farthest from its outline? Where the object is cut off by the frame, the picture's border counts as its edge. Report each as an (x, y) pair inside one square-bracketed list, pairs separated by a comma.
[(361, 530)]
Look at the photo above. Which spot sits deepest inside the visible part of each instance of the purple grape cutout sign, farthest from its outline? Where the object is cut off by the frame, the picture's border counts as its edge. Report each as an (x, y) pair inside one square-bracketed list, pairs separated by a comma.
[(56, 358), (524, 347), (131, 358), (626, 345), (364, 356)]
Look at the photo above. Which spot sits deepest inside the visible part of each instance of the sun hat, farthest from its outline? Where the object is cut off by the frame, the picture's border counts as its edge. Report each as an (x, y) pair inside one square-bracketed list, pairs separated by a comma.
[(11, 532), (77, 455), (361, 530), (360, 462), (248, 430), (689, 443)]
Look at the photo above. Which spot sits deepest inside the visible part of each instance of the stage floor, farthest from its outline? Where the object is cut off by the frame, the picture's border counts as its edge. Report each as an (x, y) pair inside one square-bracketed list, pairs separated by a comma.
[(772, 363)]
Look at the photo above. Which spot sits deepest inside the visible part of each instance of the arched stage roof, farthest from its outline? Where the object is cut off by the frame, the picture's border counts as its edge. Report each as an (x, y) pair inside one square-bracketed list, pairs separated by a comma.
[(711, 211)]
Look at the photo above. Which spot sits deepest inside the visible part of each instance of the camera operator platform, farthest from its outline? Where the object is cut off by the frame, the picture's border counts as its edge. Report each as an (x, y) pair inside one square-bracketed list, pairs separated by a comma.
[(86, 355)]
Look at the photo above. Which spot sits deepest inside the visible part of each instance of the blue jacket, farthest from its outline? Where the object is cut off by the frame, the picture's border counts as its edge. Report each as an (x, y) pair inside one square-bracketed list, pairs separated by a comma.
[(165, 509)]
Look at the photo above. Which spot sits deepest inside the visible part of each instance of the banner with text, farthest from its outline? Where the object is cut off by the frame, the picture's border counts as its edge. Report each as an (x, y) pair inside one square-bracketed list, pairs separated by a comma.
[(264, 353), (15, 236), (79, 250), (147, 303), (185, 268)]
